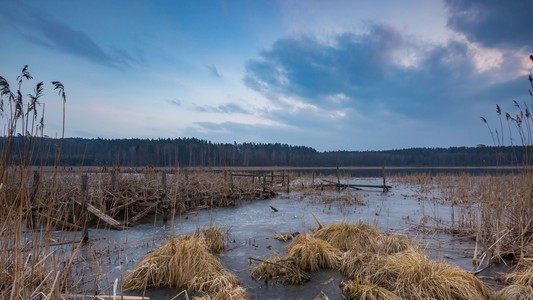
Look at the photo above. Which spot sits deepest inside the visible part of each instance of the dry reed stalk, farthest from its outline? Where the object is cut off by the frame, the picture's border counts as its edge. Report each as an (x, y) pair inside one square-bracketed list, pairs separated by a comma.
[(353, 290), (515, 292), (313, 254), (348, 236), (499, 208), (283, 270), (180, 262), (215, 239)]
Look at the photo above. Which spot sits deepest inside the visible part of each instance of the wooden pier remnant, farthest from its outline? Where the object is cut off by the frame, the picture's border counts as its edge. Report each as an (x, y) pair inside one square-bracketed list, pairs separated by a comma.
[(356, 186)]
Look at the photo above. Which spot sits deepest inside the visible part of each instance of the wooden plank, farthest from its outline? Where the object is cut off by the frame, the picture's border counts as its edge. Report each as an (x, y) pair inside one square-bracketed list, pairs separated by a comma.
[(103, 297), (119, 207), (143, 213), (95, 211), (358, 185)]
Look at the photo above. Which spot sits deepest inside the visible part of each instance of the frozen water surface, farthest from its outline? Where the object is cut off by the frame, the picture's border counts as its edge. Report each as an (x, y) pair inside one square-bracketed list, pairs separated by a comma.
[(251, 228)]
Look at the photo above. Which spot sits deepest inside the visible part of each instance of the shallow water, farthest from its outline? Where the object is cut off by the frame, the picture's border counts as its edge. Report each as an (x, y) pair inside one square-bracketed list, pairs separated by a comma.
[(251, 227)]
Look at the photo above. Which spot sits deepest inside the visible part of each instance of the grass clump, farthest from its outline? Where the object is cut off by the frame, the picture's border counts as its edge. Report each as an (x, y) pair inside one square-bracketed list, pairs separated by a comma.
[(522, 274), (283, 270), (313, 253), (393, 243), (358, 265), (184, 262), (348, 236), (214, 238), (411, 275), (515, 292), (353, 290)]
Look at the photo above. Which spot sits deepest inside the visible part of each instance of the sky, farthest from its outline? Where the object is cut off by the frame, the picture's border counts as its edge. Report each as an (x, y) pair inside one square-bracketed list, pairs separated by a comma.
[(332, 75)]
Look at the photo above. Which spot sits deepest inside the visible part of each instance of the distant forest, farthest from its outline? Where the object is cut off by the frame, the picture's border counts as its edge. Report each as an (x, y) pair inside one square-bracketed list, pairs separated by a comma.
[(191, 152)]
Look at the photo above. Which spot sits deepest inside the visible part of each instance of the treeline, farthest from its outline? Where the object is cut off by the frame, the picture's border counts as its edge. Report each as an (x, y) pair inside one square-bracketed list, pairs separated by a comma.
[(195, 152)]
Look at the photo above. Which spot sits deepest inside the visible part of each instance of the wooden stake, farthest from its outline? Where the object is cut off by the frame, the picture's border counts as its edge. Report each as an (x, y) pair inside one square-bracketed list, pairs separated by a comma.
[(84, 216)]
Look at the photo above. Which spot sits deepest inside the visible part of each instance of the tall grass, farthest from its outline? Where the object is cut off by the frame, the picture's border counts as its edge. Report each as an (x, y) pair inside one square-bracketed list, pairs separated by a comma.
[(29, 261), (506, 204)]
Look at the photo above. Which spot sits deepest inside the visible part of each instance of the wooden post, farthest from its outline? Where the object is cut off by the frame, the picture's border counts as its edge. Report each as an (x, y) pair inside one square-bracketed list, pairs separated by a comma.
[(35, 186), (338, 179), (84, 215), (385, 188), (164, 188), (264, 186), (231, 181), (114, 180), (288, 183)]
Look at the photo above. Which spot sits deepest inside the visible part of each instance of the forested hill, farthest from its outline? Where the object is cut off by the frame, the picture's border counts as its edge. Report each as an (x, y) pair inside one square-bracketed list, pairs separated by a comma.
[(194, 152)]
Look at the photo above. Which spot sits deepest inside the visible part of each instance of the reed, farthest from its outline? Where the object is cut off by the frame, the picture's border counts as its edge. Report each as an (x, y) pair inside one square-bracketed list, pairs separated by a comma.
[(29, 260)]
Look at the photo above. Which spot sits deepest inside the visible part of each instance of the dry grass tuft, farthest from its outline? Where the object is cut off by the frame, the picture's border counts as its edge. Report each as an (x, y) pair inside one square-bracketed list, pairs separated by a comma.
[(392, 243), (313, 253), (348, 236), (286, 236), (215, 239), (515, 292), (183, 262), (522, 274), (283, 270), (232, 292), (357, 265), (411, 275), (353, 290)]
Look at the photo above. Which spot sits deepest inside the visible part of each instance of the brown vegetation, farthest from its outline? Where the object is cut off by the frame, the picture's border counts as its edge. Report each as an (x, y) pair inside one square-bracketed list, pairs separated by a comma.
[(283, 270), (313, 254), (186, 263)]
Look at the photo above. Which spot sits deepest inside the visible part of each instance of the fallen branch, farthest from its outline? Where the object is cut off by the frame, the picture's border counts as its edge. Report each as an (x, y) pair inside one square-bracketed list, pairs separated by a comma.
[(320, 226)]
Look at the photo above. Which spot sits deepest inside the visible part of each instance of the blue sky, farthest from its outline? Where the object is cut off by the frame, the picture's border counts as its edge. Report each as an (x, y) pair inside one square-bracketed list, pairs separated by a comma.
[(333, 75)]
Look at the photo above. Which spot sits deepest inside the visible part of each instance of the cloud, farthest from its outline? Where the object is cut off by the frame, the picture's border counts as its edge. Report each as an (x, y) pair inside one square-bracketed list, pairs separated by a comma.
[(48, 32), (226, 108), (214, 71), (176, 102), (493, 23), (358, 84), (365, 73), (306, 67)]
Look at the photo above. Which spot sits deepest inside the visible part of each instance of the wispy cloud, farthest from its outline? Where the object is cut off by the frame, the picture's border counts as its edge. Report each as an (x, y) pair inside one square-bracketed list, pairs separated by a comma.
[(214, 70), (176, 102), (226, 108), (46, 31)]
